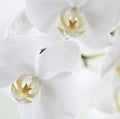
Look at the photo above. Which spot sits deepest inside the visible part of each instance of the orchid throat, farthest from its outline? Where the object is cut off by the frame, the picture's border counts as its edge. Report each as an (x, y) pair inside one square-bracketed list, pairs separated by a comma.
[(72, 21), (25, 88)]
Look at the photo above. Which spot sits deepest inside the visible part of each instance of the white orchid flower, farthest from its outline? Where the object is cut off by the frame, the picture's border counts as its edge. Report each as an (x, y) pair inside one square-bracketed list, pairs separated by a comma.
[(89, 21), (42, 84), (88, 90)]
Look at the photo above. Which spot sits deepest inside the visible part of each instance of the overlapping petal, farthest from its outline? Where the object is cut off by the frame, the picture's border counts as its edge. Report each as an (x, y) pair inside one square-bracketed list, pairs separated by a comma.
[(18, 55), (112, 59), (63, 56), (42, 13)]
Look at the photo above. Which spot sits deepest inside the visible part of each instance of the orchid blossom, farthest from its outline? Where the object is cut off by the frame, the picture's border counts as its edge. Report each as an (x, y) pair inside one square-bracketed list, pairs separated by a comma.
[(90, 21), (42, 83)]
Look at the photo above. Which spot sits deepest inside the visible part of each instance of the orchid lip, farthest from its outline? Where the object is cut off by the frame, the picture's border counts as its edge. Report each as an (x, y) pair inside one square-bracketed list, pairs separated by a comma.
[(72, 21), (25, 88)]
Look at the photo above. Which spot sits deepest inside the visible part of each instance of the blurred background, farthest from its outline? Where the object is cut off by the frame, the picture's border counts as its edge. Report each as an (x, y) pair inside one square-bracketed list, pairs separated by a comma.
[(8, 11)]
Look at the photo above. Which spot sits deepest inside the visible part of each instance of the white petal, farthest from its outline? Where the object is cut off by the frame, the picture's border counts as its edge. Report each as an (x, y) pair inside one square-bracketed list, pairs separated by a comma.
[(31, 111), (62, 56), (38, 110), (8, 112), (111, 60), (20, 25), (96, 92), (63, 89), (76, 2), (18, 55), (97, 114), (89, 84), (102, 15), (43, 13), (96, 42), (11, 73), (104, 101)]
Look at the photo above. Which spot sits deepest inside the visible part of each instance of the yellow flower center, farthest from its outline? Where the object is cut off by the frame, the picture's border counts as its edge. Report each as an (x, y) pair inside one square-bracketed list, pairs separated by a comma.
[(72, 21), (25, 88)]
